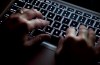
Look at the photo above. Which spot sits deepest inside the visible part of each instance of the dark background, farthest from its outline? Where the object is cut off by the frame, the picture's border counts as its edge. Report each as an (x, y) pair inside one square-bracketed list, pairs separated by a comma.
[(90, 4)]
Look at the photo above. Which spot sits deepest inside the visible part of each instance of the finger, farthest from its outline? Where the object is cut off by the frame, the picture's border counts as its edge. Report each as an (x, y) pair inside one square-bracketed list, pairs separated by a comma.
[(37, 23), (60, 45), (31, 13), (91, 36), (38, 39), (71, 32), (83, 32)]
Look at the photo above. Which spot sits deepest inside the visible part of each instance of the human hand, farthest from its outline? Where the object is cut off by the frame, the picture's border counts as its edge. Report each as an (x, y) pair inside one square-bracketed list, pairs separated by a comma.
[(76, 50)]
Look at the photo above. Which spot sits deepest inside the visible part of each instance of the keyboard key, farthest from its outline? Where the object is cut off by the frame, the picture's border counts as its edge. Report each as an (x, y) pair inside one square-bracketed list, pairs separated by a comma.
[(90, 22), (70, 9), (97, 38), (44, 12), (81, 19), (19, 3), (47, 1), (28, 6), (66, 21), (43, 5), (78, 12), (66, 13), (36, 7), (50, 21), (37, 3), (64, 27), (58, 18), (98, 32), (51, 8), (14, 7), (62, 7), (56, 25), (74, 16), (49, 29), (58, 11), (50, 15), (54, 4), (95, 17), (97, 25), (29, 1), (64, 34), (56, 32), (87, 15), (74, 24)]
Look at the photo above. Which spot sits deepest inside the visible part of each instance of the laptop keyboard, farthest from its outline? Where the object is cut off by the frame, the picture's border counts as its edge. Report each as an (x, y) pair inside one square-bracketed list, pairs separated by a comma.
[(60, 16)]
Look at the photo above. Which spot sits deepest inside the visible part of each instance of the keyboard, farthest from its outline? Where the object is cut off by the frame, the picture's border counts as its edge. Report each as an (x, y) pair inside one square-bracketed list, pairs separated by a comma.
[(61, 16)]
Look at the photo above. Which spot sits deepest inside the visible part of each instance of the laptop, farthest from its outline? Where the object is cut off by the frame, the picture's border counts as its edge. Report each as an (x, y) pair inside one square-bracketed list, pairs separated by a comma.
[(61, 14)]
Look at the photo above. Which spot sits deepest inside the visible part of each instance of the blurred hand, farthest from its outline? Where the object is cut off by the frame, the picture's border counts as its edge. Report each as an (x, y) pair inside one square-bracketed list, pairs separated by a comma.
[(77, 50)]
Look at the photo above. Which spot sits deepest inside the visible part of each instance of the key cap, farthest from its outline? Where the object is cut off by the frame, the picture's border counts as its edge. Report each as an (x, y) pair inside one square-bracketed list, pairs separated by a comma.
[(74, 24), (44, 12), (51, 8), (48, 29), (14, 7), (50, 15), (54, 4), (78, 12), (36, 7), (70, 10), (19, 3), (64, 27), (43, 5), (66, 21), (56, 25), (58, 18), (50, 21), (87, 15), (81, 19), (56, 32), (28, 6), (97, 38), (29, 1), (95, 17), (58, 11), (98, 32), (37, 3), (97, 25), (64, 34), (90, 22), (74, 16), (62, 7), (65, 13)]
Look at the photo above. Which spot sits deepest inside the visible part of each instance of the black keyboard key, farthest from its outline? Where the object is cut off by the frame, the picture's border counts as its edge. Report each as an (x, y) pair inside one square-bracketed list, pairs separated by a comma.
[(78, 12), (48, 29), (70, 9), (62, 7), (98, 32), (50, 15), (87, 15), (56, 25), (37, 3), (90, 22), (28, 6), (56, 32), (66, 13), (29, 1), (74, 24), (14, 7), (97, 25), (74, 16), (44, 12), (95, 17), (64, 27), (58, 11), (81, 19), (50, 21), (58, 18), (54, 4), (19, 3), (36, 7), (43, 5), (47, 1), (66, 21), (51, 8), (64, 34)]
